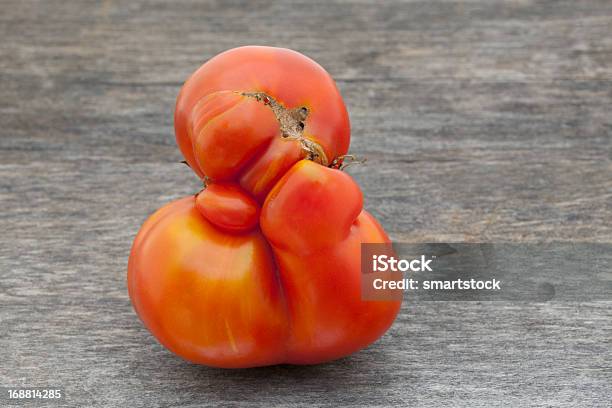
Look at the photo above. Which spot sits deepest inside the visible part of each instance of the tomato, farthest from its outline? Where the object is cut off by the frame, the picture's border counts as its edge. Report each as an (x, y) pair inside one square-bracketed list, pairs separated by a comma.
[(263, 266)]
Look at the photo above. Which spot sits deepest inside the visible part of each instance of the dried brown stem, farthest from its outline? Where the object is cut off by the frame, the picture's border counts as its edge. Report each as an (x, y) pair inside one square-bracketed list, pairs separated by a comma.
[(291, 122)]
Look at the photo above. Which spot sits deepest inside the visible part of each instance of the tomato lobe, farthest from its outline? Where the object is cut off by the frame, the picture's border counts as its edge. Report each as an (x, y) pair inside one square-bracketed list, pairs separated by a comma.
[(228, 207)]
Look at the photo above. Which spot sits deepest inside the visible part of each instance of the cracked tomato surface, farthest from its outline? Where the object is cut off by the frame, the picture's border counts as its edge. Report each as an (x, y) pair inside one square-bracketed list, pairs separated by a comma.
[(262, 266)]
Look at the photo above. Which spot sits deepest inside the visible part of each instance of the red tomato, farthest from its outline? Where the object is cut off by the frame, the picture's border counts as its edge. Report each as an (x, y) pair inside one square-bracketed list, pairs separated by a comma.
[(263, 266)]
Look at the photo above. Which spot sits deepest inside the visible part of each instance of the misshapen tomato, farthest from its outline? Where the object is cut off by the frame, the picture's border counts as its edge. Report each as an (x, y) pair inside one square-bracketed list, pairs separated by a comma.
[(263, 266)]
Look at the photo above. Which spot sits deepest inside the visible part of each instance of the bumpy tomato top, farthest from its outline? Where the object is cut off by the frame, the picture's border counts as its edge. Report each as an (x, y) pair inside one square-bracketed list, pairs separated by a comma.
[(250, 113)]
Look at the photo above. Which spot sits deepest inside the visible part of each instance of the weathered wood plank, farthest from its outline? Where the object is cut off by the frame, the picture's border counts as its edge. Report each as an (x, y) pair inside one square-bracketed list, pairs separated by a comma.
[(481, 121)]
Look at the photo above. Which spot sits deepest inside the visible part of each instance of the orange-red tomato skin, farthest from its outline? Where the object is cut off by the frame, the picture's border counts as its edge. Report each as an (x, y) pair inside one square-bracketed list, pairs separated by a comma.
[(209, 296), (322, 278), (230, 299), (263, 265), (228, 207), (291, 78)]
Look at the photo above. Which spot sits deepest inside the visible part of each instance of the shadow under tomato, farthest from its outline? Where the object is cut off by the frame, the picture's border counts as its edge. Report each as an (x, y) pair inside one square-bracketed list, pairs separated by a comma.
[(365, 377)]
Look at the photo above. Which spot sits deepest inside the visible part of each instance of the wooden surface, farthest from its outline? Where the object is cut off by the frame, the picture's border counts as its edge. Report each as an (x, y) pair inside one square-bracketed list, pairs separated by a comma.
[(482, 120)]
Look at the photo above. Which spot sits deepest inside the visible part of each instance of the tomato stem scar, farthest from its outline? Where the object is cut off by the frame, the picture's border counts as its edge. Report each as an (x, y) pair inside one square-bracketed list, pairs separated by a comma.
[(292, 125)]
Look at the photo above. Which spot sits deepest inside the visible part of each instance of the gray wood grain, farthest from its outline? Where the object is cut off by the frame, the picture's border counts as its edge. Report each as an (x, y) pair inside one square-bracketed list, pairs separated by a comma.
[(482, 120)]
